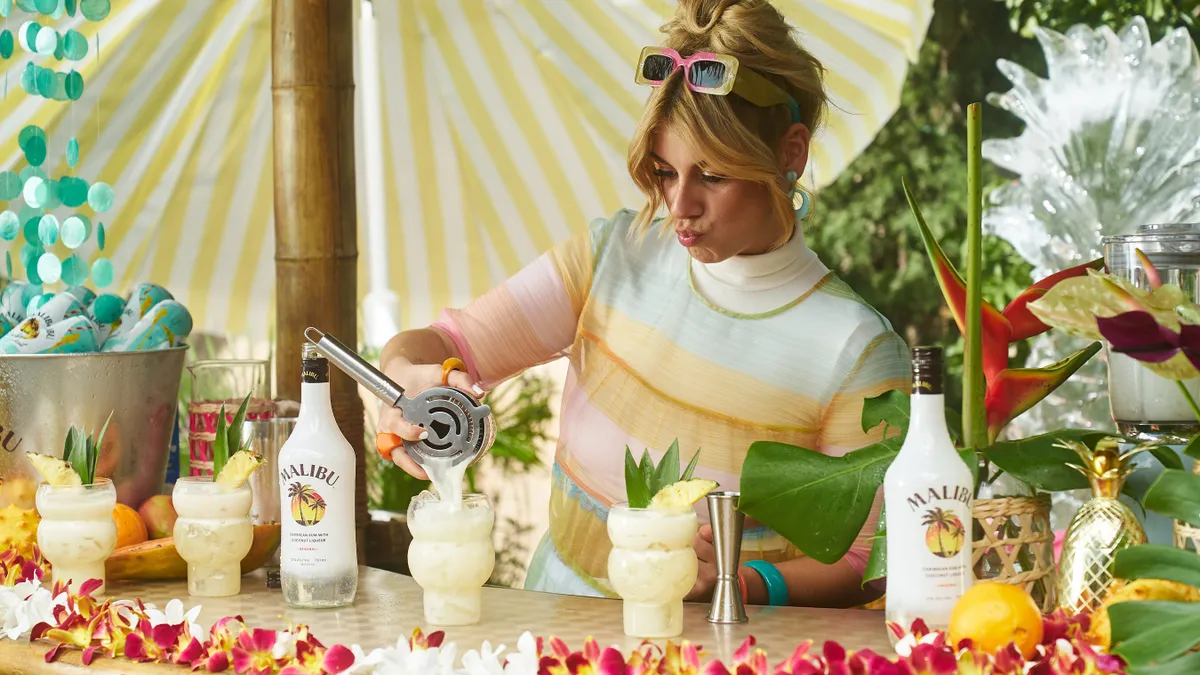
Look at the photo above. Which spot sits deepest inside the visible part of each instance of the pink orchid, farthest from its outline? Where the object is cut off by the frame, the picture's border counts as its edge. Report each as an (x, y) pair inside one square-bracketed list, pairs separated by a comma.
[(314, 659), (253, 653)]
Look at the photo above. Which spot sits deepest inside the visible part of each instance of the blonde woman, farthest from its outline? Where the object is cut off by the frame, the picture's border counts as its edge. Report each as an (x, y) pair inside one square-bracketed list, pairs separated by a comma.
[(714, 325)]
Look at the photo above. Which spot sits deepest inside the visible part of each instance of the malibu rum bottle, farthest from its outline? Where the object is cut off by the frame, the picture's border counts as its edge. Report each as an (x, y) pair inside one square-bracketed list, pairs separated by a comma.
[(927, 493), (318, 560)]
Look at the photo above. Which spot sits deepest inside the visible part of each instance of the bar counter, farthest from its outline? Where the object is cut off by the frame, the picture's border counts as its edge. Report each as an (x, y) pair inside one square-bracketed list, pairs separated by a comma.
[(388, 605)]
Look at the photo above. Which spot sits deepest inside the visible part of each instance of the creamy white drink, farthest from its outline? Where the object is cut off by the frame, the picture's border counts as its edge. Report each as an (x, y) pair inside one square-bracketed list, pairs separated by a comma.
[(451, 555), (213, 533), (77, 532), (652, 567)]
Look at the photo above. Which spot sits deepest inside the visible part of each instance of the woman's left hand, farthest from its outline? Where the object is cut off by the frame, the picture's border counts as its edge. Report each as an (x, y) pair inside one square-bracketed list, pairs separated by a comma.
[(706, 555)]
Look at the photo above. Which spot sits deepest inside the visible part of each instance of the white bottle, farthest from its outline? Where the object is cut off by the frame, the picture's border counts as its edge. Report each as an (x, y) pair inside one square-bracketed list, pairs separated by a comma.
[(318, 554), (928, 492)]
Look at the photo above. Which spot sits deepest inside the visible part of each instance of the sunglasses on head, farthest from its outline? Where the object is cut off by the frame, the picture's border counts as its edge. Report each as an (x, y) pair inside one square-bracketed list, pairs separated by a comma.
[(715, 74)]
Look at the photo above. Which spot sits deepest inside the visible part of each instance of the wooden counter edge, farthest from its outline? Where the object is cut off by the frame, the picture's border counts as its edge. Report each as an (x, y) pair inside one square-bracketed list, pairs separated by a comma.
[(22, 657)]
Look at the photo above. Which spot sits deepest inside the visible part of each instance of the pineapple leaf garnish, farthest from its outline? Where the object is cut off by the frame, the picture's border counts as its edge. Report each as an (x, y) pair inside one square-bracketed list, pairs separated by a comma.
[(228, 441), (643, 480), (82, 452)]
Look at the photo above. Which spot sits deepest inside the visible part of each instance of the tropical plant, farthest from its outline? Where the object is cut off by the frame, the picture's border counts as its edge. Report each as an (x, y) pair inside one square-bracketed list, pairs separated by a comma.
[(776, 477)]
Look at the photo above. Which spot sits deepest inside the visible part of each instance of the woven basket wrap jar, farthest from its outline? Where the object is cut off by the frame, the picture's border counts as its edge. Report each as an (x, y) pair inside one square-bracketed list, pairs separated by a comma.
[(1013, 544)]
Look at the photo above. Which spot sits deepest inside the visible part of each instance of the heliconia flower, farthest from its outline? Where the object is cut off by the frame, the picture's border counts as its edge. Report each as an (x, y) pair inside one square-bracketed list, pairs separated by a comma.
[(998, 329), (1016, 390), (1019, 320)]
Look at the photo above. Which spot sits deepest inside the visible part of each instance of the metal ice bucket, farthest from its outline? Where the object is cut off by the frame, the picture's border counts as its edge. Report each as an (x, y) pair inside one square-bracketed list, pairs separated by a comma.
[(43, 395)]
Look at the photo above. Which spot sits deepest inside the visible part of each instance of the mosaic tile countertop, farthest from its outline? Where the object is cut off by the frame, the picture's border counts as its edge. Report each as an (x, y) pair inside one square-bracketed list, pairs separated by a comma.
[(388, 606)]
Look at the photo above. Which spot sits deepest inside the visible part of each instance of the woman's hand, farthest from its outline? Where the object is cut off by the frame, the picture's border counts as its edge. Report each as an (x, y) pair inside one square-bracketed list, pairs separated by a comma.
[(706, 555), (415, 379)]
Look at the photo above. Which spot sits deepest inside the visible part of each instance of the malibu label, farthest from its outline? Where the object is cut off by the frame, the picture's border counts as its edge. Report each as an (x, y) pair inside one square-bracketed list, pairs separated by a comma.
[(928, 495), (317, 471)]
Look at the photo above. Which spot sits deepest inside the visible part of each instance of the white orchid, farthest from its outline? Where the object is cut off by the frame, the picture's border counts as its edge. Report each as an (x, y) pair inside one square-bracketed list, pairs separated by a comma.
[(285, 645), (403, 660), (23, 606), (173, 615), (525, 660), (905, 645), (485, 661)]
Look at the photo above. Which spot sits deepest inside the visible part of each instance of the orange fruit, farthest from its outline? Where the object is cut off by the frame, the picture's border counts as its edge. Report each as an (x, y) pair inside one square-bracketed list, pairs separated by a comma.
[(131, 529), (993, 614)]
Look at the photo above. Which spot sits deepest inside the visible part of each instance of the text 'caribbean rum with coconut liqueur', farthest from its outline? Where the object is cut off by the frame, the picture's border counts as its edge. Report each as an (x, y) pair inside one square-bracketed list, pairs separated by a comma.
[(927, 494), (318, 558)]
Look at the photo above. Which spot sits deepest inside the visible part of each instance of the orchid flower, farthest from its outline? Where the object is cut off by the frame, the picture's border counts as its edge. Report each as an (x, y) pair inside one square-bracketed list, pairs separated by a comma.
[(141, 632), (173, 615)]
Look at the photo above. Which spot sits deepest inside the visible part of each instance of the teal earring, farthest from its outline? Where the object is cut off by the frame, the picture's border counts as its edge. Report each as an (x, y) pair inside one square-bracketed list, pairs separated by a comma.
[(795, 193)]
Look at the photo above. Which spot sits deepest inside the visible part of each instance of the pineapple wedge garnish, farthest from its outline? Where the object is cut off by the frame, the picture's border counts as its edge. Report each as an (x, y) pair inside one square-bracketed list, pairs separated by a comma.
[(54, 470), (239, 467), (681, 496)]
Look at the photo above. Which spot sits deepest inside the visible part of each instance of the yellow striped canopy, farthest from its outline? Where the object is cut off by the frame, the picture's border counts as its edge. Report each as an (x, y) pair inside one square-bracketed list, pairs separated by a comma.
[(505, 124)]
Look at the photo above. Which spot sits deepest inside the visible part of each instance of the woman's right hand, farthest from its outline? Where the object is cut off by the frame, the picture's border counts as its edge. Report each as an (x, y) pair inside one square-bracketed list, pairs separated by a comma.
[(416, 379)]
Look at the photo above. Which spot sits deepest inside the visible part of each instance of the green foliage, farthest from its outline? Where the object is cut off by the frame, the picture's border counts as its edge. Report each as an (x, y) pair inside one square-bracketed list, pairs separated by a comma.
[(643, 480), (1025, 15), (228, 441), (861, 226), (82, 452)]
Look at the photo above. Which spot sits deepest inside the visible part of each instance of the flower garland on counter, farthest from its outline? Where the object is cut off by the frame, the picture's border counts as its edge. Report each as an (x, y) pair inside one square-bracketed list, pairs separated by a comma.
[(137, 631)]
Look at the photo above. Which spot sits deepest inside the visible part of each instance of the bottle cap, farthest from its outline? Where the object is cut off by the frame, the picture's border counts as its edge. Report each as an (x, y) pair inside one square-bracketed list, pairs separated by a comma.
[(927, 370)]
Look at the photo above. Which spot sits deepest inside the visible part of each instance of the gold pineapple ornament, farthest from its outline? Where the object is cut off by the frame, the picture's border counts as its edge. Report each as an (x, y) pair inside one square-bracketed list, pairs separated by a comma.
[(1103, 526)]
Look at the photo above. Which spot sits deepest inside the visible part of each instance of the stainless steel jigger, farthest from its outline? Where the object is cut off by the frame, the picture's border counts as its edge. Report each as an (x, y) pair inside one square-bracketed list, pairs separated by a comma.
[(727, 523), (459, 427)]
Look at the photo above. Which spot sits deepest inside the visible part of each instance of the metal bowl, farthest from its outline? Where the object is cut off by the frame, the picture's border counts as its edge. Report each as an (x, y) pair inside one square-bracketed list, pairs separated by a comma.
[(43, 395)]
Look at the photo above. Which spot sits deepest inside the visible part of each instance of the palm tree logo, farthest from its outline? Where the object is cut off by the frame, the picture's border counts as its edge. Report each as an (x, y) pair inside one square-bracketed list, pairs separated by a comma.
[(308, 507), (944, 533)]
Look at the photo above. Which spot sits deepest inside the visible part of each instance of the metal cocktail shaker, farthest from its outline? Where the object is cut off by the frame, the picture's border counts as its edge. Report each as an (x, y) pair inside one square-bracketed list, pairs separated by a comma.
[(460, 428)]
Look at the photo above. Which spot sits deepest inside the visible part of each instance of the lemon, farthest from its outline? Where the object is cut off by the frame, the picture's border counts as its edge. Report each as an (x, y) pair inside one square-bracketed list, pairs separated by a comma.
[(679, 497), (54, 470), (239, 467)]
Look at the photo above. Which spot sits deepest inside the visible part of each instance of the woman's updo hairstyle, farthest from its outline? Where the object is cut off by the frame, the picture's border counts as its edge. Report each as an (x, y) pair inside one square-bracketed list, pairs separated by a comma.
[(735, 138)]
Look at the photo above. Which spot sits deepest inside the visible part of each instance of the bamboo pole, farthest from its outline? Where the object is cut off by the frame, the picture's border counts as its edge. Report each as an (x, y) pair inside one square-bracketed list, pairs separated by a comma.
[(316, 254)]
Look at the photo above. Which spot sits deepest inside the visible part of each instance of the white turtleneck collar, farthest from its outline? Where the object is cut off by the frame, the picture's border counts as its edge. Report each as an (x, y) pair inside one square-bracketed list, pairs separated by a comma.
[(755, 284)]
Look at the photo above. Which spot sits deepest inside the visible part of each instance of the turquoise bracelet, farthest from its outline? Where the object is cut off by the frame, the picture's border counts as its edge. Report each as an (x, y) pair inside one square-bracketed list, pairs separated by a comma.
[(777, 592)]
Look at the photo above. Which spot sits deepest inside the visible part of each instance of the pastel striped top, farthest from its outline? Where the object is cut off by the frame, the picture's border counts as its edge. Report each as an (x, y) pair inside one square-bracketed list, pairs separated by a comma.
[(656, 353)]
